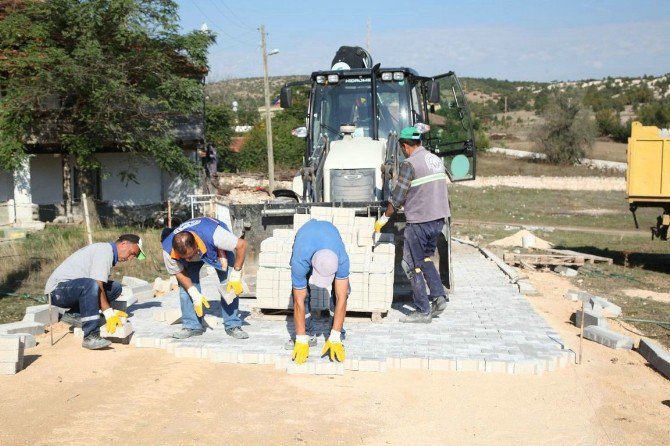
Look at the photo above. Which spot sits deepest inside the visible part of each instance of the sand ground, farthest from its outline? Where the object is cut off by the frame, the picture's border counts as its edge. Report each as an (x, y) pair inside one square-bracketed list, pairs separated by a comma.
[(69, 396)]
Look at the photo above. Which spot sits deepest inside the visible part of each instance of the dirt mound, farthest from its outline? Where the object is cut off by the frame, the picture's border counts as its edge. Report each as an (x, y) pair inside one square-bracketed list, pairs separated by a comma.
[(516, 240)]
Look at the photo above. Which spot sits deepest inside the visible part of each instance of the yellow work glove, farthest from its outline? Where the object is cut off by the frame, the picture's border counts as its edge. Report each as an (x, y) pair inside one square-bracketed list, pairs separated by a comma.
[(335, 346), (379, 224), (113, 319), (198, 300), (300, 349), (235, 282)]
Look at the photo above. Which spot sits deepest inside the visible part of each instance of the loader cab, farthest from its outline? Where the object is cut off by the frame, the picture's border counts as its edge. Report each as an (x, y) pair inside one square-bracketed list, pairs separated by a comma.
[(377, 103)]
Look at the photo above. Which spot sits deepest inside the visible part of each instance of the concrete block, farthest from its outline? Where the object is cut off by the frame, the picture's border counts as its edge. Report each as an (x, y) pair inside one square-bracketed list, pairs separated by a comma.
[(172, 316), (40, 314), (33, 328), (384, 248), (525, 367), (364, 237), (121, 332), (605, 305), (371, 365), (78, 333), (281, 362), (164, 342), (608, 337), (188, 351), (414, 363), (130, 281), (492, 366), (299, 220), (213, 322), (565, 271), (441, 364), (576, 295), (125, 300), (9, 368), (351, 364), (467, 365), (10, 341), (308, 368), (225, 357), (591, 317), (27, 340), (144, 342), (272, 244), (267, 259), (656, 355), (250, 358), (143, 292), (284, 233), (526, 288), (10, 355), (329, 368)]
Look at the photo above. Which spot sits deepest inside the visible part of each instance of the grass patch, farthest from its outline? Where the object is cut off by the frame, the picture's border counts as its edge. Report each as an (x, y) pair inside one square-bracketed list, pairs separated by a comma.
[(596, 209), (27, 263), (493, 164)]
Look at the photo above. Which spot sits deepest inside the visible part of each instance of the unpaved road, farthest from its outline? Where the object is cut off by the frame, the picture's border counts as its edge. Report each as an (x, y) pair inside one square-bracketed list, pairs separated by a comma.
[(71, 396)]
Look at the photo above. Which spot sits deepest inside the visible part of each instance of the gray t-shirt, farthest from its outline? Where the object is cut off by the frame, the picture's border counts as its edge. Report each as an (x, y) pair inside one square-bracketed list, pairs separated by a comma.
[(90, 262)]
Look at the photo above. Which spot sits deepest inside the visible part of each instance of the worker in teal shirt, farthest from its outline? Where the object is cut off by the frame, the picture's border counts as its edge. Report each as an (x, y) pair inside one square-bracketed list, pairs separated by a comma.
[(320, 259)]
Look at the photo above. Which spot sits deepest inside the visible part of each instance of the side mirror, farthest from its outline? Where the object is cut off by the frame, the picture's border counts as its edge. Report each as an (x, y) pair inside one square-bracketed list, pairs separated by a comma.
[(285, 97), (433, 92), (300, 132)]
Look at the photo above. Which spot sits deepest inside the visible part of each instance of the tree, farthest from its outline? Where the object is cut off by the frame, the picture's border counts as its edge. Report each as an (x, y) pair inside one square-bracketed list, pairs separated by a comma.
[(117, 73), (657, 113), (568, 131)]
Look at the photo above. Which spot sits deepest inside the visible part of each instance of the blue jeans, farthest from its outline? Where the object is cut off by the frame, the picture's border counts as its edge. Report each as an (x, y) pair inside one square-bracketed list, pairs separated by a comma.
[(82, 296), (189, 319), (420, 245)]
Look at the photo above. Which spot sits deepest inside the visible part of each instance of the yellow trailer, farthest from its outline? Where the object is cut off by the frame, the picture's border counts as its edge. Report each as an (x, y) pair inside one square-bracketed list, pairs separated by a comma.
[(648, 175)]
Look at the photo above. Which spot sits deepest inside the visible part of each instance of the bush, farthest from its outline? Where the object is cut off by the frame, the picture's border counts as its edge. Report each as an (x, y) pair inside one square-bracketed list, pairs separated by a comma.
[(568, 131)]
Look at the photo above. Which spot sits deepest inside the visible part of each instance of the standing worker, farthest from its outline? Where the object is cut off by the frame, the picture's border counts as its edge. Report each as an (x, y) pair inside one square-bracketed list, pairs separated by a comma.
[(81, 284), (422, 190), (319, 257), (185, 250)]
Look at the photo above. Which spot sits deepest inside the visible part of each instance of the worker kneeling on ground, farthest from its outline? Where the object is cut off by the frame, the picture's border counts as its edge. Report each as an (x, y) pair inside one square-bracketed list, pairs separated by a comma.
[(319, 257), (422, 190), (81, 284), (185, 250)]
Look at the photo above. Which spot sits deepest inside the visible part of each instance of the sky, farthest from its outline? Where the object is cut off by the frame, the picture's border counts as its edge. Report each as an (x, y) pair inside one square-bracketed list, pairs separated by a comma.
[(523, 40)]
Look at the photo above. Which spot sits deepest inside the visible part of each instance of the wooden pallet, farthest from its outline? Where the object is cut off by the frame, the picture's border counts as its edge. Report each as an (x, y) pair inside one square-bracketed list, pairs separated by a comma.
[(588, 258), (273, 314), (543, 259)]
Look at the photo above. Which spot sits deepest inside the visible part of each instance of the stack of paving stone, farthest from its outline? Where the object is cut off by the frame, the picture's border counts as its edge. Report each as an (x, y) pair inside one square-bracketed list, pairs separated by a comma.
[(11, 354), (371, 262), (596, 312)]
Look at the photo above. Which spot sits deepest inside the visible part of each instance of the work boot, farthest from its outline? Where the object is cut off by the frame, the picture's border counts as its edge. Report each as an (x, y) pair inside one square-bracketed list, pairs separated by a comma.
[(438, 305), (73, 319), (94, 342), (187, 333), (291, 342), (237, 333), (416, 317)]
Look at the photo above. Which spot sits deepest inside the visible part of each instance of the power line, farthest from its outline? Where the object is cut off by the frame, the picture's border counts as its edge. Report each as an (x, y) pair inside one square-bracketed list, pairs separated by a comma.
[(238, 22), (220, 29)]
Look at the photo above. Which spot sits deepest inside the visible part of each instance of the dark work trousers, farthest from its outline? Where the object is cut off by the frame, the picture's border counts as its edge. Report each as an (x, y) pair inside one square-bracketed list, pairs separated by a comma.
[(81, 296), (419, 247)]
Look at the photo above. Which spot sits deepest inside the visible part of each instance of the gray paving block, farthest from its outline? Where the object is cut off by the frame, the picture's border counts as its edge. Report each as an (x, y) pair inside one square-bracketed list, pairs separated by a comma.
[(591, 317), (566, 271), (605, 305), (143, 292), (526, 288), (33, 328), (133, 281), (607, 337), (10, 368), (576, 295), (40, 314), (656, 355), (9, 341)]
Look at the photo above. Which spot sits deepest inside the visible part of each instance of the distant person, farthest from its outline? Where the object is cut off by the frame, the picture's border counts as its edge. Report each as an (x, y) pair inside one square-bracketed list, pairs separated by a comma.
[(320, 259), (210, 161), (422, 191), (192, 244), (81, 284)]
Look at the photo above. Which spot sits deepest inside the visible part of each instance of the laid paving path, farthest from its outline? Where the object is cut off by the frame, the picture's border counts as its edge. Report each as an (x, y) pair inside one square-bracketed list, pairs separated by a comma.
[(488, 327)]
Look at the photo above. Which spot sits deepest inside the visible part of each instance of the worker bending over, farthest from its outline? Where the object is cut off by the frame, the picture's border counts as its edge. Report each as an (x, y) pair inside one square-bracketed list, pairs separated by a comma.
[(422, 190), (319, 257), (81, 284), (185, 250)]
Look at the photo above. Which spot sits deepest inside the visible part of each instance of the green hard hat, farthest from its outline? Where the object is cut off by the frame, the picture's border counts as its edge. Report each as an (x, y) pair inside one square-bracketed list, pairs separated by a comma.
[(410, 133)]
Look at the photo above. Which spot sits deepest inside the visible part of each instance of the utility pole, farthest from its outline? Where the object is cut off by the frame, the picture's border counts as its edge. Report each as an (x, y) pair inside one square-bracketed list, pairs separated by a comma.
[(268, 119), (369, 36)]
